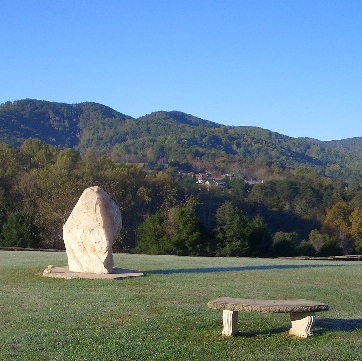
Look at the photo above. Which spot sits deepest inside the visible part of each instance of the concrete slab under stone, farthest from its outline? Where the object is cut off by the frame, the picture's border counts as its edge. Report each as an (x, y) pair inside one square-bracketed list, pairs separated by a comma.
[(63, 272)]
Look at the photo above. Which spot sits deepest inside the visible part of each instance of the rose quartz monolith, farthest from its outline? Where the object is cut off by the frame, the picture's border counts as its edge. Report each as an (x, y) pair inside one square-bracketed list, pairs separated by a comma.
[(90, 231)]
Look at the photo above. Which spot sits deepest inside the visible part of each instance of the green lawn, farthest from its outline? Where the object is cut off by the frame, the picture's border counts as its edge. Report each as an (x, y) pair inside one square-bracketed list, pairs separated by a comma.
[(163, 316)]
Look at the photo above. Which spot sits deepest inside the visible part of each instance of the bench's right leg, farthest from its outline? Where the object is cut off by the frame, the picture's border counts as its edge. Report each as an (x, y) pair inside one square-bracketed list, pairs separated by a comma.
[(230, 323), (302, 324)]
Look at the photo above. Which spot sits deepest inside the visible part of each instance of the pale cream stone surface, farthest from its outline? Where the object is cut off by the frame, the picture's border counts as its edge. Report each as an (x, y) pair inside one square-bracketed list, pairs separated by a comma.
[(230, 323), (90, 231), (302, 324)]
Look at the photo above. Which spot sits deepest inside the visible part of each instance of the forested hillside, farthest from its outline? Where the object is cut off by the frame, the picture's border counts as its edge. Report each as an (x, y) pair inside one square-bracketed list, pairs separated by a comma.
[(163, 138), (58, 124), (352, 145), (264, 194), (165, 212)]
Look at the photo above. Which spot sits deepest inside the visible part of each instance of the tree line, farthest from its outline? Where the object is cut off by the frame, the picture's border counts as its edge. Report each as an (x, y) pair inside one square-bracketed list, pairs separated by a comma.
[(297, 213)]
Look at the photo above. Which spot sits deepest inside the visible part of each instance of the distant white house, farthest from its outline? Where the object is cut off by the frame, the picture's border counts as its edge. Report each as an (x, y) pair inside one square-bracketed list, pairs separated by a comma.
[(253, 181)]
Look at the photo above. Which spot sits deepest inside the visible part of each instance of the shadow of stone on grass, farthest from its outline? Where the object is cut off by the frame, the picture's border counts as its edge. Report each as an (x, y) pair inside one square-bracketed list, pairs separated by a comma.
[(238, 269), (326, 325), (253, 334)]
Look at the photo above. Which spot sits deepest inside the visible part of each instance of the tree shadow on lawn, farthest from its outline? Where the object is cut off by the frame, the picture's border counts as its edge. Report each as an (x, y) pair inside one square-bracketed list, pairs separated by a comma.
[(326, 325), (237, 269)]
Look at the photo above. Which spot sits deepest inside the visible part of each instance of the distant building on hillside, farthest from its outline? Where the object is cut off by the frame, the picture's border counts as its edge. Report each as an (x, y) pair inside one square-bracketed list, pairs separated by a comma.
[(253, 181)]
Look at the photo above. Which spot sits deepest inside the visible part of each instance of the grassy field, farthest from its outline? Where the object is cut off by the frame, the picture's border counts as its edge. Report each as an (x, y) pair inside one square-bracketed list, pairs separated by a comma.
[(163, 316)]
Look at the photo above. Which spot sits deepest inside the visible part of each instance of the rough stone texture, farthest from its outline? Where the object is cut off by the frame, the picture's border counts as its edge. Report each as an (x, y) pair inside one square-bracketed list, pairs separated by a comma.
[(90, 231), (301, 312), (275, 306), (302, 324), (230, 323)]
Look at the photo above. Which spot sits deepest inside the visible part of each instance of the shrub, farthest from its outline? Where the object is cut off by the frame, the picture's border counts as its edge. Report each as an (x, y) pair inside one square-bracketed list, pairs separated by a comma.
[(285, 244), (20, 231)]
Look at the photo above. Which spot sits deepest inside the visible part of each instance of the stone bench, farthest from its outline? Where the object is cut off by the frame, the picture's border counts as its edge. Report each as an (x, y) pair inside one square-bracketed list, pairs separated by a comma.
[(302, 312)]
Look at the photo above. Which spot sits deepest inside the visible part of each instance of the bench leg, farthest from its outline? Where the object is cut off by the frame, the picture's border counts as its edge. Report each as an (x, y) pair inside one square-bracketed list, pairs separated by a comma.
[(302, 324), (230, 323)]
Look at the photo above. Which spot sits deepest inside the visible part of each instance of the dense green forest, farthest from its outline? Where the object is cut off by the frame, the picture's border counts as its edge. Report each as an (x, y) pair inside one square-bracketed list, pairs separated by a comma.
[(280, 196), (166, 212)]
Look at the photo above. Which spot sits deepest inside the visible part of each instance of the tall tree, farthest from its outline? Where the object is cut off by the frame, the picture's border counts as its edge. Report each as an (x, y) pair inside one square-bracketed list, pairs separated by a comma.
[(260, 241), (36, 154), (232, 231), (187, 236), (9, 163), (356, 229), (20, 231), (151, 238), (337, 223), (317, 239), (176, 231)]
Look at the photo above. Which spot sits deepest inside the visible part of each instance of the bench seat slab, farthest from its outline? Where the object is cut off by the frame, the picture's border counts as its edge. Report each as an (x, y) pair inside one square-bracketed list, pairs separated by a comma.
[(273, 306), (302, 312)]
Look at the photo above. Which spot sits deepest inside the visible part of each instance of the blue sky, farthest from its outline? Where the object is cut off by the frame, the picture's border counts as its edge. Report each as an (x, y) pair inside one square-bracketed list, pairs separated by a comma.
[(294, 67)]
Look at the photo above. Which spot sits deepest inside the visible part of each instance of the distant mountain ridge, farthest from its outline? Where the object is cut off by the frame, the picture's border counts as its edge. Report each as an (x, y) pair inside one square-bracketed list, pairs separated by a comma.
[(58, 124), (350, 145), (169, 137)]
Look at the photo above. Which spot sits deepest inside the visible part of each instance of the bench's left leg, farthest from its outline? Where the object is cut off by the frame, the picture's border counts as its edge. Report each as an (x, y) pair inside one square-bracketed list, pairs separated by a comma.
[(230, 323), (302, 324)]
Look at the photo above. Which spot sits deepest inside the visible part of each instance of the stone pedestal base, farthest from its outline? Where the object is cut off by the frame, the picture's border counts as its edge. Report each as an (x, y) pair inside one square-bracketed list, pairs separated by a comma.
[(63, 272), (302, 324)]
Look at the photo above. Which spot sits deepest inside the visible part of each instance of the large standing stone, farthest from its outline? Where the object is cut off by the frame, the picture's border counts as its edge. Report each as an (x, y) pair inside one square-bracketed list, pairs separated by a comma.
[(90, 231)]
